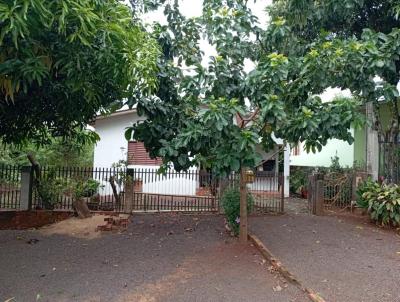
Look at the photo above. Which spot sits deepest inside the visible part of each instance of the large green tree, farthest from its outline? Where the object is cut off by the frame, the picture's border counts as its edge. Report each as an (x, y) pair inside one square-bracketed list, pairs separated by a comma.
[(352, 44), (62, 62), (216, 114), (60, 153)]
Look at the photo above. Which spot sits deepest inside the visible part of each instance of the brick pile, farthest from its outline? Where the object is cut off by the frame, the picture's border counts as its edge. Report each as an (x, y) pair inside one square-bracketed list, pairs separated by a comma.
[(114, 223)]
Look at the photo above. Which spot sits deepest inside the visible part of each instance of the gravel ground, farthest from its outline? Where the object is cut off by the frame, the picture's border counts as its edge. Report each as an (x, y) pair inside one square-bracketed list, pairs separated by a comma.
[(159, 258), (343, 258)]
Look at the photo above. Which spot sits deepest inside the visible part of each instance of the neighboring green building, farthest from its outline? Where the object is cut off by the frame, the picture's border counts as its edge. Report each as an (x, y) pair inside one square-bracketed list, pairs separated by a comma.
[(364, 152)]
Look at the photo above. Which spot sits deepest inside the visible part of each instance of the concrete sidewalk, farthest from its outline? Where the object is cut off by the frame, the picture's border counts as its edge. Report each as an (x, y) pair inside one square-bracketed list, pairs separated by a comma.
[(343, 259)]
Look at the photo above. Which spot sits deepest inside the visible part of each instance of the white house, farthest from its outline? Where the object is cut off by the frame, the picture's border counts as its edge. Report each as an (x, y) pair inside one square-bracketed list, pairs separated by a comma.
[(113, 147)]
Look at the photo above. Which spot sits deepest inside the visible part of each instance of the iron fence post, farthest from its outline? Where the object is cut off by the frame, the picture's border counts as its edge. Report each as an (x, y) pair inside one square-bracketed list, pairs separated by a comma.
[(319, 197)]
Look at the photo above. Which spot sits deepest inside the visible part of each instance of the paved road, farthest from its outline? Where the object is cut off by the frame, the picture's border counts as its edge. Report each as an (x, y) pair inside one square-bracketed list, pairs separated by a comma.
[(344, 259), (160, 258)]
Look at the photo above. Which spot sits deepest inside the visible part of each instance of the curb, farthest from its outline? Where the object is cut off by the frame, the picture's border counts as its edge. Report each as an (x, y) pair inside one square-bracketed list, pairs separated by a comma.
[(315, 297)]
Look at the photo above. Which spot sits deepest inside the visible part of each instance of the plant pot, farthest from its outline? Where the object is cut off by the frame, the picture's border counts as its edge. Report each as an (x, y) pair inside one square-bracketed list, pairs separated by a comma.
[(203, 191), (138, 185), (304, 193)]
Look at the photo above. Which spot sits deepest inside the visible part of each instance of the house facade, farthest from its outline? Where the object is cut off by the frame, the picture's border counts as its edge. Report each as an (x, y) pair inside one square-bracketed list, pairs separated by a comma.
[(113, 147)]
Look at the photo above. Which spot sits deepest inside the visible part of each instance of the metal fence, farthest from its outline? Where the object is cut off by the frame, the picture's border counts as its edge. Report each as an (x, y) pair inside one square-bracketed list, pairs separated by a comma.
[(137, 190), (200, 191), (329, 191), (191, 191), (268, 192), (10, 186), (338, 190), (56, 188)]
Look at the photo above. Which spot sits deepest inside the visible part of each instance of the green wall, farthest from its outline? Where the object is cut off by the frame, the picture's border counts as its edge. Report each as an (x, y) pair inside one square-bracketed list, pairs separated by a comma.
[(360, 145)]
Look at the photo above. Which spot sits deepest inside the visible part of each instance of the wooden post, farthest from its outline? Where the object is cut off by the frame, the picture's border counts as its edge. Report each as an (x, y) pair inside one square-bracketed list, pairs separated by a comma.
[(311, 194), (358, 177), (243, 229), (129, 191), (319, 198)]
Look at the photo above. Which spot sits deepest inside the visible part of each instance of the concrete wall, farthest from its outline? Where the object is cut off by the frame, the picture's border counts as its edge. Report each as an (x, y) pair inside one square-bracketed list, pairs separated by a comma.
[(342, 149)]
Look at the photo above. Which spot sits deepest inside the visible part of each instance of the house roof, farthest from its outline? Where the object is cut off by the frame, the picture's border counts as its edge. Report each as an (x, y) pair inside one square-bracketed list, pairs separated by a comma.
[(119, 112), (123, 111)]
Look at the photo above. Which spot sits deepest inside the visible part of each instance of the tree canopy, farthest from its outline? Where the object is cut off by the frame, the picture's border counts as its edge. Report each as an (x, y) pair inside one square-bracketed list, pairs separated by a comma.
[(62, 62), (59, 152), (352, 44), (217, 114)]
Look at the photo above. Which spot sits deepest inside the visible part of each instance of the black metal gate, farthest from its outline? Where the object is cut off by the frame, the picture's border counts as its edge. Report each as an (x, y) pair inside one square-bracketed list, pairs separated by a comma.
[(268, 192), (191, 191)]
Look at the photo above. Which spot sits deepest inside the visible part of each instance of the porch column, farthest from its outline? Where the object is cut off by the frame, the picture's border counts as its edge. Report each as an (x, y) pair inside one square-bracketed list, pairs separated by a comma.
[(286, 170)]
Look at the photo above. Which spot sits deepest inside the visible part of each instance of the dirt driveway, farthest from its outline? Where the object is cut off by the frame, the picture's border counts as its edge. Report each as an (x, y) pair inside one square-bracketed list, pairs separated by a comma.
[(345, 260), (159, 258)]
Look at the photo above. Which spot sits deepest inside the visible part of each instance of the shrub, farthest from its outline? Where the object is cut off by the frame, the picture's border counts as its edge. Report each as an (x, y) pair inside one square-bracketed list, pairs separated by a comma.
[(84, 187), (298, 180), (90, 187), (365, 186), (381, 201), (49, 188), (231, 204)]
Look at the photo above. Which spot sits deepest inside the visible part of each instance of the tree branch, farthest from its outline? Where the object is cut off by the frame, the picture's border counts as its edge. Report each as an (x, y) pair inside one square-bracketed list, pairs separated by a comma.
[(250, 119)]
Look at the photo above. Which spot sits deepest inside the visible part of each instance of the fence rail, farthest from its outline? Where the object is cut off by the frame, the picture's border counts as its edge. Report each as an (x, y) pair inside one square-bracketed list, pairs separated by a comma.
[(10, 186), (56, 187), (338, 190), (267, 191), (331, 191), (126, 190)]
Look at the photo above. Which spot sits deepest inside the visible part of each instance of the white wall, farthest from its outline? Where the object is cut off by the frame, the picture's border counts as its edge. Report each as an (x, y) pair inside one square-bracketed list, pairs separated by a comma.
[(286, 163), (173, 184), (286, 171), (342, 149), (111, 131)]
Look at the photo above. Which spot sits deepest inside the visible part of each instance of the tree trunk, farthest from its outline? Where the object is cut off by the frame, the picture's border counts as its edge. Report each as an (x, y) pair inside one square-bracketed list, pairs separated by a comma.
[(388, 141), (35, 165), (243, 230), (81, 208), (115, 192)]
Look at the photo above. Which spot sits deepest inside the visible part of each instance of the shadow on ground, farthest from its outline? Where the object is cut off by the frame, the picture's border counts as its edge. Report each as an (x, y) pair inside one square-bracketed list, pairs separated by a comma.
[(345, 259), (159, 258)]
